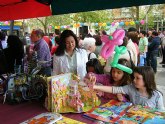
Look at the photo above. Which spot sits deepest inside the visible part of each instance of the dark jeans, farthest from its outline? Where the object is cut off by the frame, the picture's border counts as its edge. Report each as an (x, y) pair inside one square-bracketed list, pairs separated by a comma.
[(148, 58), (153, 56)]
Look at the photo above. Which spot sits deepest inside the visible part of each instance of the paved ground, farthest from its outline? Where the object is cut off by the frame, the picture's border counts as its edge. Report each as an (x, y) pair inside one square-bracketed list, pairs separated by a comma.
[(160, 79)]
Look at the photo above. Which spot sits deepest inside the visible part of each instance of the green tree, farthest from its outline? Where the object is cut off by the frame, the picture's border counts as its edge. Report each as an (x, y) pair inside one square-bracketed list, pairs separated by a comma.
[(44, 22), (67, 19)]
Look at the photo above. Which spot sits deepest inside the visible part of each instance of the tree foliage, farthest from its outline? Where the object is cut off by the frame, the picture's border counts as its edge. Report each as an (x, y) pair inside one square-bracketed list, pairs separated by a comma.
[(136, 12)]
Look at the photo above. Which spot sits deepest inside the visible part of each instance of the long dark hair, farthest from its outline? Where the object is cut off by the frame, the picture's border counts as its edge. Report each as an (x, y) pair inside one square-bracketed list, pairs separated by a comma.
[(62, 44), (95, 63), (148, 78), (133, 36), (126, 79), (15, 45)]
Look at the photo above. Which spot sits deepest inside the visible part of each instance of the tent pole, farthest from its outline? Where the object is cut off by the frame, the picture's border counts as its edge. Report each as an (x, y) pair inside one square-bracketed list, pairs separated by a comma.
[(11, 27)]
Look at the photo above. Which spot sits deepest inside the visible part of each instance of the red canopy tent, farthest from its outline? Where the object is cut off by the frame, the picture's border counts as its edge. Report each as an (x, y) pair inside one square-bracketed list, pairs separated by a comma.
[(22, 9)]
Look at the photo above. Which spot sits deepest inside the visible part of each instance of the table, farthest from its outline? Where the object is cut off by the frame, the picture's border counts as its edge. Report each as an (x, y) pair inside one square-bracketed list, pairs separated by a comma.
[(14, 114)]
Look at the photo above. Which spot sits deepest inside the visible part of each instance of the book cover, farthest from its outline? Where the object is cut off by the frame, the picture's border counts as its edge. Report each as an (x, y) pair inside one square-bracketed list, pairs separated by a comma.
[(66, 120), (143, 114), (44, 118), (109, 112)]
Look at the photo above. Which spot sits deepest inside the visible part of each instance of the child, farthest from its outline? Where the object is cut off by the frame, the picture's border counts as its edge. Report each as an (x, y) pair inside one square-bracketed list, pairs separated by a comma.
[(143, 90), (117, 77), (94, 65)]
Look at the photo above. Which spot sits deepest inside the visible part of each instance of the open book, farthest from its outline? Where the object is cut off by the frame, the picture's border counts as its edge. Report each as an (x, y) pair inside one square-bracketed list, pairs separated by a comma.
[(124, 112), (109, 112), (44, 118)]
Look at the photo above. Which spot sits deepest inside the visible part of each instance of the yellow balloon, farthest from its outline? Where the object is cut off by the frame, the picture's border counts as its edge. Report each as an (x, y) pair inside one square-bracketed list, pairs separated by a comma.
[(75, 25), (132, 23), (104, 24)]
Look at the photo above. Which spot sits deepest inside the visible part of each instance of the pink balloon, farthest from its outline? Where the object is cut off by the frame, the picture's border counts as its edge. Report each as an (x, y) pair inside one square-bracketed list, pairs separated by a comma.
[(50, 27), (104, 38), (6, 22), (113, 24), (110, 44), (142, 22)]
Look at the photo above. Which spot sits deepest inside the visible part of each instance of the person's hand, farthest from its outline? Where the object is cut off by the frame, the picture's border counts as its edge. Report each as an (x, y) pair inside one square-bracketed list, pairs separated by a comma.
[(90, 80), (120, 97)]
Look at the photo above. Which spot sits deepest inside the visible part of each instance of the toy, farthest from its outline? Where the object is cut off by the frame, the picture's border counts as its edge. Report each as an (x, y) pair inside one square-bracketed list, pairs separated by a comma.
[(26, 85), (119, 51), (67, 94), (74, 96), (111, 42)]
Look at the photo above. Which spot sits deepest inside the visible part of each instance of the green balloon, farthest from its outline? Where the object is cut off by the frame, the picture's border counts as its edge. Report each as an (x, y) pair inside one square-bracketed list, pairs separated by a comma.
[(124, 68), (137, 22), (108, 24), (119, 51), (111, 37)]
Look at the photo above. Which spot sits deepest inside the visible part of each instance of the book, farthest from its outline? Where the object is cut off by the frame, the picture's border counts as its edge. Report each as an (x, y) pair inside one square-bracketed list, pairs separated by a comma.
[(66, 93), (143, 114), (44, 118), (66, 120), (109, 112)]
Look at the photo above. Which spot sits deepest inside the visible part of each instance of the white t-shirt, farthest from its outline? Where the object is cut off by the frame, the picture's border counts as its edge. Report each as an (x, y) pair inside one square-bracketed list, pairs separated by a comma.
[(4, 44), (91, 55)]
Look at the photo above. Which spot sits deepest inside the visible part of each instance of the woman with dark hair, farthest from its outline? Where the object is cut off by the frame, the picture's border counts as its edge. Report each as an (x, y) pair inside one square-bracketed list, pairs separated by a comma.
[(68, 56), (102, 32), (14, 53), (98, 44)]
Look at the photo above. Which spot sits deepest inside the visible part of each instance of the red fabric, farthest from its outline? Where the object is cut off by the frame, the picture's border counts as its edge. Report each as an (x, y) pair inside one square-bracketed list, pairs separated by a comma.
[(48, 41), (54, 48), (13, 10)]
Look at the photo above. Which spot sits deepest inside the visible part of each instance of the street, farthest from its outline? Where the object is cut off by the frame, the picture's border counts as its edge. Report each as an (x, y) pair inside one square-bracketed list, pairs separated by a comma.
[(160, 79)]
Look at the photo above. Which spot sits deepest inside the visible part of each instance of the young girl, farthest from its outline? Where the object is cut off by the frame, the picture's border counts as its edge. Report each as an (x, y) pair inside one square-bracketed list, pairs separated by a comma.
[(117, 77), (143, 90), (94, 65)]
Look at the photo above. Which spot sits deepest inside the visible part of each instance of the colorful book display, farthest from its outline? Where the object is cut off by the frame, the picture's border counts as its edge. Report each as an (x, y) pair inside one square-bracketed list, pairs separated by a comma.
[(109, 112), (140, 114), (44, 118), (125, 113), (67, 94)]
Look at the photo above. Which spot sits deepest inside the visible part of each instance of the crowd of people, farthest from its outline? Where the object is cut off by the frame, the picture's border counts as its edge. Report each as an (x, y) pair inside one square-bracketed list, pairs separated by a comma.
[(65, 52)]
